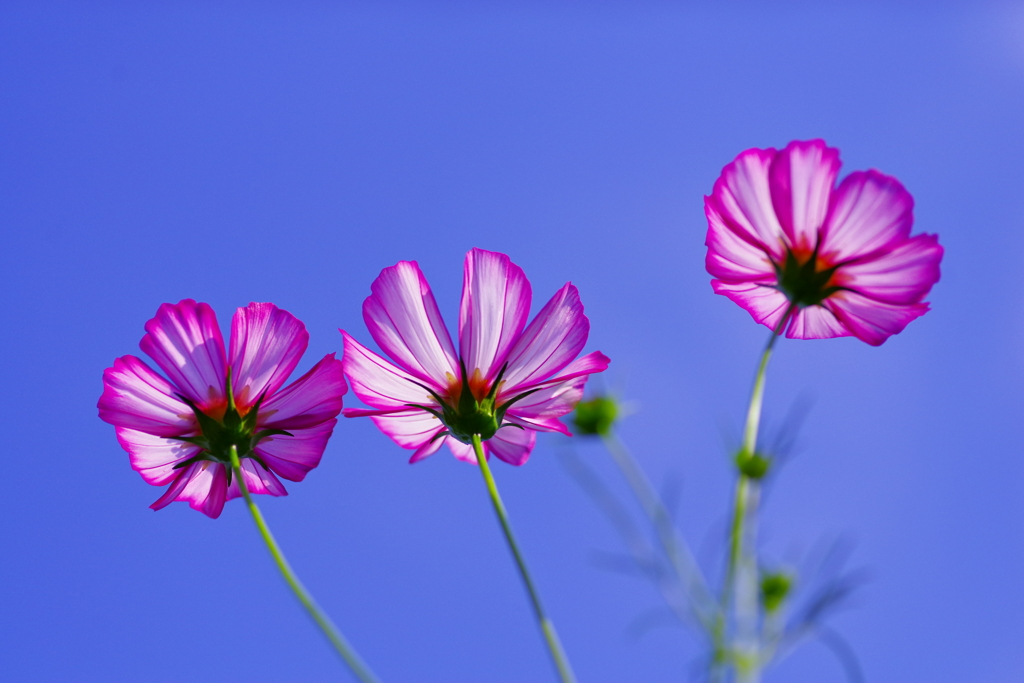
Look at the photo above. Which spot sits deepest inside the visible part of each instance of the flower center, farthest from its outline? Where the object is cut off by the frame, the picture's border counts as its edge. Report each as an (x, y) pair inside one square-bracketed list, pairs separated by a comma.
[(806, 278), (219, 432), (470, 406)]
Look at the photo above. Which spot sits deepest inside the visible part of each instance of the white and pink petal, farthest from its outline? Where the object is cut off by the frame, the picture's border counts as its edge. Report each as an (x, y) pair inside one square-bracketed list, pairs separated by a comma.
[(184, 340), (411, 429), (377, 382), (732, 255), (136, 397), (548, 424), (177, 486), (404, 320), (512, 444), (492, 314), (550, 342), (590, 364), (901, 275), (816, 322), (765, 304), (871, 320), (462, 451), (257, 480), (426, 450), (154, 457), (802, 177), (312, 399), (293, 455), (550, 401), (203, 485), (266, 345), (869, 212), (742, 198)]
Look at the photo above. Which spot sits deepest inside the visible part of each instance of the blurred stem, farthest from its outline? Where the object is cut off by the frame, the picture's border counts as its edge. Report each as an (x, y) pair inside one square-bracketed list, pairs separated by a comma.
[(355, 663), (639, 547), (678, 552), (546, 626), (742, 587), (747, 591)]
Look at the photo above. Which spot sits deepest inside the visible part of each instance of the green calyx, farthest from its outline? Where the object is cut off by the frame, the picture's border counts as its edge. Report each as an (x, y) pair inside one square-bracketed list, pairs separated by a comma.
[(218, 436), (595, 417), (802, 283), (470, 416)]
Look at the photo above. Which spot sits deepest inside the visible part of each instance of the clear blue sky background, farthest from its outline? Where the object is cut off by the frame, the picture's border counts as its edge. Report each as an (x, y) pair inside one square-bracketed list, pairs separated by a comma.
[(287, 152)]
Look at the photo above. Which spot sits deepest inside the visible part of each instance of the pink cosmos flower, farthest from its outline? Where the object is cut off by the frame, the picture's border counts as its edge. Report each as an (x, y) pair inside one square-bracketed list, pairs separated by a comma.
[(782, 235), (180, 432), (508, 381)]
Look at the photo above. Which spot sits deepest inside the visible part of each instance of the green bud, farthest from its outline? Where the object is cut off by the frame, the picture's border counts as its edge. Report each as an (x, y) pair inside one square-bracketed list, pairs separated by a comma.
[(754, 466), (775, 587), (595, 416)]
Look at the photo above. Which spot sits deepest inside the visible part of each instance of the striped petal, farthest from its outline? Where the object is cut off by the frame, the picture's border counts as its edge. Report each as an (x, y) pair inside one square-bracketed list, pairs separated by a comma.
[(411, 429), (184, 340), (292, 457), (742, 199), (312, 399), (732, 255), (495, 306), (154, 457), (403, 319), (765, 304), (377, 382), (902, 275), (802, 177), (462, 451), (257, 480), (870, 320), (816, 322), (136, 397), (512, 445), (552, 340), (203, 485), (543, 407), (870, 212), (266, 345)]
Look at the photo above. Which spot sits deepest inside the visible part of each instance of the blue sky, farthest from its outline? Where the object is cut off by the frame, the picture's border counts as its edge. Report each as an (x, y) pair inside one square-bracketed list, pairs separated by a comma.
[(287, 152)]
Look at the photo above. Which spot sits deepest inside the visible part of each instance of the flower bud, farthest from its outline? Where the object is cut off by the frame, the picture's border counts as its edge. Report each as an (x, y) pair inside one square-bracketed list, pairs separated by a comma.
[(775, 588), (596, 416), (753, 465)]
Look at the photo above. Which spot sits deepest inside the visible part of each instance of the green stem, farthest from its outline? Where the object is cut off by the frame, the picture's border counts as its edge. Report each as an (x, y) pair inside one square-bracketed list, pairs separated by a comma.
[(359, 668), (546, 626), (678, 552), (742, 529)]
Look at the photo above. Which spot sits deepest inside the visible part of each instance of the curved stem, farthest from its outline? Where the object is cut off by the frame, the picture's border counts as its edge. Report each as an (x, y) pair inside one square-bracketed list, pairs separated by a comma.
[(354, 661), (546, 626)]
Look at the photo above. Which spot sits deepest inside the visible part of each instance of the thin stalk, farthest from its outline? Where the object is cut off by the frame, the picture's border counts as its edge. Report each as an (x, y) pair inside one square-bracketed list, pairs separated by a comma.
[(741, 537), (546, 626), (678, 552), (354, 661)]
